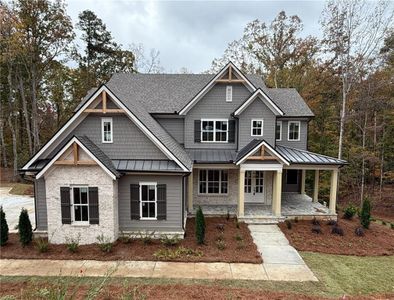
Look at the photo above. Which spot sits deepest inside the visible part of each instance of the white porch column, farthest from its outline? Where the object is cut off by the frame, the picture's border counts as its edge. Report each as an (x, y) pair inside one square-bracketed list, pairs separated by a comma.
[(333, 190), (303, 174), (241, 193), (277, 193), (316, 187), (190, 192)]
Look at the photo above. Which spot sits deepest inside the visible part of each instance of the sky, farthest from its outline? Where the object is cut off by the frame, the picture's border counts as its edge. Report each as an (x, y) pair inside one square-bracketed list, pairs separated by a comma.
[(190, 34)]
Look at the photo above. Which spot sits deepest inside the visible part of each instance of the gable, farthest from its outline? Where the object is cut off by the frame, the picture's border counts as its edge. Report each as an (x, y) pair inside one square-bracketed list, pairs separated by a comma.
[(261, 96)]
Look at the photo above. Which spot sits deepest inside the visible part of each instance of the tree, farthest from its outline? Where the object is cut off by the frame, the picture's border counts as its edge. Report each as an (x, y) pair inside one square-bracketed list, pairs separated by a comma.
[(24, 228), (3, 228), (365, 215), (200, 226)]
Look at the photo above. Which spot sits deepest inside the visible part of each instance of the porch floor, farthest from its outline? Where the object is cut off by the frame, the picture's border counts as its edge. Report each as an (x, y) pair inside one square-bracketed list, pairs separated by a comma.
[(293, 204)]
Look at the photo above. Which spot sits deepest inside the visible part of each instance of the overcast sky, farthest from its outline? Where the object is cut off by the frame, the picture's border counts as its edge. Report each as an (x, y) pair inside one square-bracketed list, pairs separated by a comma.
[(190, 34)]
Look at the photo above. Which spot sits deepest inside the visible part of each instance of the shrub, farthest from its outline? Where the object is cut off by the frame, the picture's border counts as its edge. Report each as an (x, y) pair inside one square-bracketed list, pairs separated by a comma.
[(337, 230), (3, 228), (220, 244), (332, 223), (220, 227), (147, 238), (24, 228), (384, 223), (236, 222), (392, 225), (176, 253), (238, 237), (41, 244), (125, 238), (315, 222), (316, 229), (296, 220), (170, 241), (104, 243), (240, 244), (228, 215), (288, 224), (349, 212), (200, 226), (220, 237), (365, 215), (359, 231), (72, 244)]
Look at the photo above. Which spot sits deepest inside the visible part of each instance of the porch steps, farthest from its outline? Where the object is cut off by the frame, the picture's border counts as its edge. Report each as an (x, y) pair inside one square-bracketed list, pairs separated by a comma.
[(262, 220)]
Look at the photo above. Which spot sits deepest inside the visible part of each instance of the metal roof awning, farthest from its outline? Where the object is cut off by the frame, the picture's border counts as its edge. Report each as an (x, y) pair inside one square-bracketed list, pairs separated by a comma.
[(219, 156), (147, 165), (297, 156)]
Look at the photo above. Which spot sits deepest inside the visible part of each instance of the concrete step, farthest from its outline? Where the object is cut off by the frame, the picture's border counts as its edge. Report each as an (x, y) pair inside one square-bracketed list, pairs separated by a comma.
[(262, 220)]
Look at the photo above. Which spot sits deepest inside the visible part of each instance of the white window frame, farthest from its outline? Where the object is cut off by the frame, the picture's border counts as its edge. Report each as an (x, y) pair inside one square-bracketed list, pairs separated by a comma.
[(299, 131), (73, 222), (280, 131), (252, 127), (220, 182), (140, 192), (103, 121), (214, 130), (229, 93)]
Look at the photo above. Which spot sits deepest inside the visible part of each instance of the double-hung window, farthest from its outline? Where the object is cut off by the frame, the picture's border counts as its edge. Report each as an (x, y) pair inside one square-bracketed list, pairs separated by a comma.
[(278, 131), (214, 130), (257, 127), (148, 200), (106, 130), (213, 182), (294, 131), (80, 204)]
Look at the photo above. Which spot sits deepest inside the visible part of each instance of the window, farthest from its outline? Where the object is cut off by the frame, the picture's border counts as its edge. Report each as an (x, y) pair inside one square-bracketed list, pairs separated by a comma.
[(106, 130), (294, 131), (229, 93), (213, 182), (292, 177), (248, 182), (80, 204), (214, 131), (278, 131), (148, 200), (257, 128), (259, 182)]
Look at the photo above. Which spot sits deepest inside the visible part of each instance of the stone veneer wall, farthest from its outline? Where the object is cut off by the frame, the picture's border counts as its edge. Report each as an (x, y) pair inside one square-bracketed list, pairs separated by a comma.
[(93, 176)]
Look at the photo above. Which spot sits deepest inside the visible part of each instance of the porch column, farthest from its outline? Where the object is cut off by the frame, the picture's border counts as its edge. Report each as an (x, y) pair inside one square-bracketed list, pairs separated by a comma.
[(333, 190), (316, 187), (303, 174), (241, 193), (190, 192), (277, 194)]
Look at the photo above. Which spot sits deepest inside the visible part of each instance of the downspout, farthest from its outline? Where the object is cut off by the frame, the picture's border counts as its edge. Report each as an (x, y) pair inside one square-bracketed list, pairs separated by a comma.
[(183, 201)]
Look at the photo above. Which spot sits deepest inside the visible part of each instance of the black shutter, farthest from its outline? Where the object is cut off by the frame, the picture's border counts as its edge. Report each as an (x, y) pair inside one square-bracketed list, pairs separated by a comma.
[(231, 131), (161, 201), (93, 206), (135, 201), (197, 131), (65, 204)]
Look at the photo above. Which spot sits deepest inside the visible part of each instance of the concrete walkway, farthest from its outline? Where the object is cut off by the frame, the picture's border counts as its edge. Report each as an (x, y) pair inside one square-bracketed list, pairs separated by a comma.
[(281, 261)]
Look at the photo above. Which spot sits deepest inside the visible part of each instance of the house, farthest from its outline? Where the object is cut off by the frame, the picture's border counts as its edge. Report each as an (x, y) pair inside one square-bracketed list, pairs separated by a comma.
[(143, 150)]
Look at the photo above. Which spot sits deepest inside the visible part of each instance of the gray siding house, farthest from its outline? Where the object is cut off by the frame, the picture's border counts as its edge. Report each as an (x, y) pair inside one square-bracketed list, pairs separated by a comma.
[(142, 151)]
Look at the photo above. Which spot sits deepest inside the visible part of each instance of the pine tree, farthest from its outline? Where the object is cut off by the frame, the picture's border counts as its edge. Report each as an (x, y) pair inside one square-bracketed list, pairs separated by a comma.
[(365, 216), (200, 226), (24, 228), (3, 228)]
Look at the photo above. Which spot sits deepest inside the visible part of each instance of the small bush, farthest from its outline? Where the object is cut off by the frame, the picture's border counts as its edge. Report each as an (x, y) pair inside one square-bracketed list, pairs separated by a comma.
[(392, 225), (365, 215), (228, 215), (349, 212), (125, 238), (3, 228), (337, 230), (240, 245), (384, 223), (169, 253), (332, 223), (288, 224), (147, 238), (315, 222), (236, 222), (220, 244), (359, 231), (220, 227), (238, 237), (24, 228), (104, 243), (170, 241), (296, 220), (72, 244), (316, 229), (200, 226), (41, 244)]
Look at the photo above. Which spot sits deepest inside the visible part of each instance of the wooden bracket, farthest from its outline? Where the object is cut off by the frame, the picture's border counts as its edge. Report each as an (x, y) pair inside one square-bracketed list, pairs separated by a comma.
[(75, 161), (262, 155), (230, 77)]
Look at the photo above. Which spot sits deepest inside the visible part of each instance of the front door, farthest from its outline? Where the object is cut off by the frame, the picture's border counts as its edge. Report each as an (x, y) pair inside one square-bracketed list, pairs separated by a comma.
[(254, 186)]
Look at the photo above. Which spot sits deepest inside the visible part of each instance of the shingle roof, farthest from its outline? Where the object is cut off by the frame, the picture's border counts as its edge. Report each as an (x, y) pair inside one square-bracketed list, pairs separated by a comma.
[(249, 147), (297, 156), (212, 155), (290, 101)]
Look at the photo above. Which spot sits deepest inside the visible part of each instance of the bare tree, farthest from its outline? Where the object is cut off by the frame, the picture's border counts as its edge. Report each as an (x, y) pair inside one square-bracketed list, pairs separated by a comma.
[(144, 64)]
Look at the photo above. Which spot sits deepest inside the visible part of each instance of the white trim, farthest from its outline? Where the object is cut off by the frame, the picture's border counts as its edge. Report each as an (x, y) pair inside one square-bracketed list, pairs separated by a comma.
[(299, 131), (139, 124), (184, 110), (73, 222), (280, 131), (104, 120), (259, 91), (261, 167), (252, 127), (272, 150), (229, 93), (140, 193), (214, 130), (206, 182), (74, 140)]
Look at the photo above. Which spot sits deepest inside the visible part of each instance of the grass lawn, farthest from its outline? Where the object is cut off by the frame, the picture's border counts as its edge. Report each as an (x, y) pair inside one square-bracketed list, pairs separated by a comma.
[(338, 276), (19, 188)]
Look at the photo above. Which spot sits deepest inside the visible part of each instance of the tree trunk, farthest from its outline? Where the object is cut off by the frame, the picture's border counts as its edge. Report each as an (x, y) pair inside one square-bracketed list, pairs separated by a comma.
[(382, 161), (364, 131), (34, 110), (342, 117), (26, 113), (10, 124), (3, 148)]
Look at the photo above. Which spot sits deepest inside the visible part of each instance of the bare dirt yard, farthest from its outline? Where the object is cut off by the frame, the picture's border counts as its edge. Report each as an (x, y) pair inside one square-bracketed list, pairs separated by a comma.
[(224, 242), (377, 241)]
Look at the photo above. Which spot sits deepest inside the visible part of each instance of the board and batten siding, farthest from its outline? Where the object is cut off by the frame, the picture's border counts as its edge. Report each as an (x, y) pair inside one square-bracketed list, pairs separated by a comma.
[(175, 127), (41, 204), (214, 106), (255, 111), (173, 222), (302, 143)]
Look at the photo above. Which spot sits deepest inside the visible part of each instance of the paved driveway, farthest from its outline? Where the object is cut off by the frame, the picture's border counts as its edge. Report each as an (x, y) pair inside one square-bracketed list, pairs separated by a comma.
[(12, 205)]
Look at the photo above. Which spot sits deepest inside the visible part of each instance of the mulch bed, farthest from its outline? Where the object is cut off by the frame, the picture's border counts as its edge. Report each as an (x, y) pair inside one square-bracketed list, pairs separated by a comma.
[(234, 251), (377, 241)]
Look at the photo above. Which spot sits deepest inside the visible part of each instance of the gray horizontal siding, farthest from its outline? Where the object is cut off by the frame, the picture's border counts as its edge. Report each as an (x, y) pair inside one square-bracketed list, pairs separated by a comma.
[(175, 127), (256, 110), (173, 221), (41, 204), (302, 143)]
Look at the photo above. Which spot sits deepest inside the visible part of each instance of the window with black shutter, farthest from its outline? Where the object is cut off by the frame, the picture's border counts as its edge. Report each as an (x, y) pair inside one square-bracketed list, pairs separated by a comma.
[(161, 201), (135, 201)]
